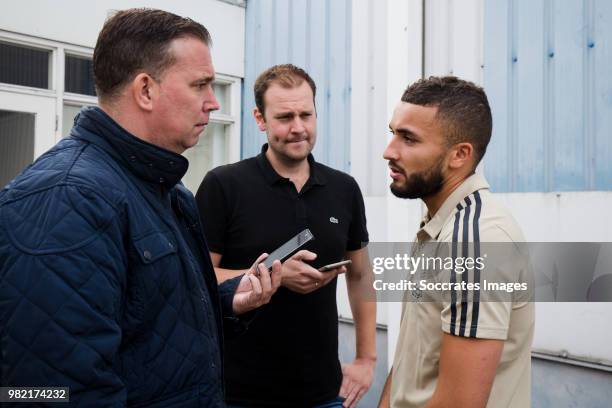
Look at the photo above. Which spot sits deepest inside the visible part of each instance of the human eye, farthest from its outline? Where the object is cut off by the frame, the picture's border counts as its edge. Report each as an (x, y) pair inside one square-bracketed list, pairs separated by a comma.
[(201, 85), (408, 139)]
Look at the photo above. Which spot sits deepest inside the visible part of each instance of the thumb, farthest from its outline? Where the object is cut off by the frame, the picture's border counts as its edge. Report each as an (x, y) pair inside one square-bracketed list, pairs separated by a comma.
[(260, 259), (341, 270), (304, 255)]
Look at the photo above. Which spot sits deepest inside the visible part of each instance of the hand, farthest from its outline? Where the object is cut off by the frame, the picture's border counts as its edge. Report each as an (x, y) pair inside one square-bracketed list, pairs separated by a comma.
[(256, 290), (356, 380), (302, 278)]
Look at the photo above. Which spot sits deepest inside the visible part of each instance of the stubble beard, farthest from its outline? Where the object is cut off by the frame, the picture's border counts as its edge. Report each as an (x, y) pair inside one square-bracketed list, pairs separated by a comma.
[(288, 157), (419, 185)]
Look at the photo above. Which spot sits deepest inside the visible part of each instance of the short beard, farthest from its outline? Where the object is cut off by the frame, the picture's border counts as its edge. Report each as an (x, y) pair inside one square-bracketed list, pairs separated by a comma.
[(422, 184)]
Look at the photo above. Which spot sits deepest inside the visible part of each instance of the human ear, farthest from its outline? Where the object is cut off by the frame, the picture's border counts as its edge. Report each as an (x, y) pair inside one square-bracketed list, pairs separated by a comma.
[(461, 155), (144, 91), (259, 118)]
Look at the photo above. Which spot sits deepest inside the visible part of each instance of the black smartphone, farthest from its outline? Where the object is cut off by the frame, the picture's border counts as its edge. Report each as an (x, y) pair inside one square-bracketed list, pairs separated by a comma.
[(288, 248)]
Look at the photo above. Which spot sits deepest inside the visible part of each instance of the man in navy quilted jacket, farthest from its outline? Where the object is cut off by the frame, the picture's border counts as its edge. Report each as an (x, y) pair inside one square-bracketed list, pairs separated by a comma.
[(106, 284)]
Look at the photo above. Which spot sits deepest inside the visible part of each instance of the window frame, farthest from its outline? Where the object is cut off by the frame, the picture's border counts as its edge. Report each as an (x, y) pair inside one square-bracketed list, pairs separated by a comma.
[(32, 42), (59, 50), (79, 53), (232, 118)]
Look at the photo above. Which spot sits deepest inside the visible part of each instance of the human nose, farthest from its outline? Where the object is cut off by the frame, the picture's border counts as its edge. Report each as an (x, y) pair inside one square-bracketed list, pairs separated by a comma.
[(211, 103), (298, 126), (390, 152)]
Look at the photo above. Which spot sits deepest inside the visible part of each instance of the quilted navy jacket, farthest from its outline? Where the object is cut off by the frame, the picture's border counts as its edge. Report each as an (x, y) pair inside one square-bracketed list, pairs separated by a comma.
[(106, 285)]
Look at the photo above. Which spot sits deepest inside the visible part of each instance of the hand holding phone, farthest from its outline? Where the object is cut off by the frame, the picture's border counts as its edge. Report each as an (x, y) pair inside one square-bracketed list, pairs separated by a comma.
[(300, 277), (288, 248)]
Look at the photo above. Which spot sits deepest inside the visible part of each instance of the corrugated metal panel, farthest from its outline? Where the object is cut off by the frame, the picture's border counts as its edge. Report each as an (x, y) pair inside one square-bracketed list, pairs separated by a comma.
[(601, 53), (370, 101), (315, 35), (547, 74), (453, 38)]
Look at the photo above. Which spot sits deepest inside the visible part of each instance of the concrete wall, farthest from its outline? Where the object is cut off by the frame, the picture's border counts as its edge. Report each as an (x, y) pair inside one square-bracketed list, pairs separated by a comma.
[(561, 385)]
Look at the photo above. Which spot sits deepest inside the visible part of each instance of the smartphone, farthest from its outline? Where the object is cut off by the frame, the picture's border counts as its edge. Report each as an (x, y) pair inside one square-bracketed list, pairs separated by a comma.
[(334, 265), (288, 248)]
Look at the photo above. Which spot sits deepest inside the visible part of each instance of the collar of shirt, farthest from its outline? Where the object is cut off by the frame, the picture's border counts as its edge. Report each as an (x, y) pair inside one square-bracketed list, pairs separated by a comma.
[(430, 228), (272, 177), (151, 163)]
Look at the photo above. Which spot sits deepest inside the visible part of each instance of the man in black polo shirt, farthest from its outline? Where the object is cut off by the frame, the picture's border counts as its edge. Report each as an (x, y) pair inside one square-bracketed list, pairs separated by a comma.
[(289, 355)]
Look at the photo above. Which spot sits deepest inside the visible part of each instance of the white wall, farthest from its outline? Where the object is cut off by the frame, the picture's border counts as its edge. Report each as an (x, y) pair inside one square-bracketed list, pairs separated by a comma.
[(387, 56), (580, 330), (79, 22), (387, 47)]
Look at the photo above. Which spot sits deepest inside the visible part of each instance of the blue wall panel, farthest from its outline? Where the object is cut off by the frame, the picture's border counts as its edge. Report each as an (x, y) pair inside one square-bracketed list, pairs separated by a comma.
[(315, 35), (497, 57), (569, 84), (529, 98), (601, 53), (548, 77), (299, 29)]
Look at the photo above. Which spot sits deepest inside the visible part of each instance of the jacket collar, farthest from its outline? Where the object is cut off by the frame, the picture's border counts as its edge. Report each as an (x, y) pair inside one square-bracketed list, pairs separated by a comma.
[(149, 162), (272, 177), (430, 228)]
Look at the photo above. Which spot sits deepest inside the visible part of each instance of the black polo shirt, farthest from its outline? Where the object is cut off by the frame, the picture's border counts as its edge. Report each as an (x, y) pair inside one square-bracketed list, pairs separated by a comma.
[(289, 355)]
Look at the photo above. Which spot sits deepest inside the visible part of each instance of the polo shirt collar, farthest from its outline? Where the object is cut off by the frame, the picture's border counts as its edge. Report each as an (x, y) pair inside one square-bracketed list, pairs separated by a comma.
[(271, 176), (433, 226)]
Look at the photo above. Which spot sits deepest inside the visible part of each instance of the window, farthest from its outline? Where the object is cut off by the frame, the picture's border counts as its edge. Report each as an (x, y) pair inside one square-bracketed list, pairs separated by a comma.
[(210, 152), (78, 75), (78, 80), (79, 88), (16, 143), (32, 68), (222, 93), (69, 112), (217, 144), (24, 65)]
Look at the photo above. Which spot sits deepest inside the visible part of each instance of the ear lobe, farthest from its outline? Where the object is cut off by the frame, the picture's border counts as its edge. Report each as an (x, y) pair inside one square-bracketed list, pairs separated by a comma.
[(144, 90), (259, 118)]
